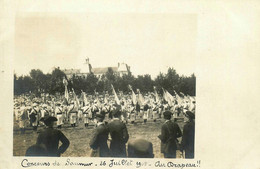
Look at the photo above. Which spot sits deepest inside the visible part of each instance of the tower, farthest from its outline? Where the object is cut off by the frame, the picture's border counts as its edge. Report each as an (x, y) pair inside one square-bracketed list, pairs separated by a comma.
[(86, 68)]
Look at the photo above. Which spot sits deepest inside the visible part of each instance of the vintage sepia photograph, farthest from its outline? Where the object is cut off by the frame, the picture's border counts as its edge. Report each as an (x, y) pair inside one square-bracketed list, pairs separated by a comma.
[(105, 85)]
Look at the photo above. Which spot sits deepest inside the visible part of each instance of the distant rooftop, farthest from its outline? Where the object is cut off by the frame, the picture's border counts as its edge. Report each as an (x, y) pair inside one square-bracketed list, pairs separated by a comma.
[(71, 71), (102, 70)]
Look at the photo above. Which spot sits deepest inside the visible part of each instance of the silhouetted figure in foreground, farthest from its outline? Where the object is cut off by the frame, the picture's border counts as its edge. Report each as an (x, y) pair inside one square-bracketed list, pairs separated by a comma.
[(98, 143), (169, 133), (51, 137), (187, 143), (119, 135)]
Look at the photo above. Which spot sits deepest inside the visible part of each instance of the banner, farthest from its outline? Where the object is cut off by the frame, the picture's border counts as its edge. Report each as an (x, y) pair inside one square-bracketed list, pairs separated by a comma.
[(140, 100), (66, 93), (134, 99), (168, 97), (179, 99), (156, 95), (75, 98), (116, 97)]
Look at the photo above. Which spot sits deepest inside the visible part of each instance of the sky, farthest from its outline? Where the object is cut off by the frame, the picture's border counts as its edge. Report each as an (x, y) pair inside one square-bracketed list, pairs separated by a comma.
[(148, 43)]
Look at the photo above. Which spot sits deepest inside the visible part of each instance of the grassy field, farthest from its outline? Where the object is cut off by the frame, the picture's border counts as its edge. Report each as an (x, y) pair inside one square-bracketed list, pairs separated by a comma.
[(80, 136)]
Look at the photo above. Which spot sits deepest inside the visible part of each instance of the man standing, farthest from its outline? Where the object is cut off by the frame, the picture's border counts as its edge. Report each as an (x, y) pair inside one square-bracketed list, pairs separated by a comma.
[(145, 112), (119, 135), (169, 133), (132, 113), (187, 143), (34, 116), (94, 110), (51, 137), (155, 111), (59, 114), (98, 143), (73, 113), (86, 114), (105, 110), (22, 117)]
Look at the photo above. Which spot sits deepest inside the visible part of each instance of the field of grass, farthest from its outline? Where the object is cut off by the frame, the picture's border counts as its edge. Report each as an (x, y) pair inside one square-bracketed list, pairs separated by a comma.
[(80, 136)]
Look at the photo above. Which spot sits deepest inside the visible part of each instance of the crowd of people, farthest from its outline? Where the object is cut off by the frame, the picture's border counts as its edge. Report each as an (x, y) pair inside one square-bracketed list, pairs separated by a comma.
[(109, 115)]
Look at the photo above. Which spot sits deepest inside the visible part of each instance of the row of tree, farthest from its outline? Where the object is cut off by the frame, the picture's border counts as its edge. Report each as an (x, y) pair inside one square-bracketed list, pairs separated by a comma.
[(38, 82)]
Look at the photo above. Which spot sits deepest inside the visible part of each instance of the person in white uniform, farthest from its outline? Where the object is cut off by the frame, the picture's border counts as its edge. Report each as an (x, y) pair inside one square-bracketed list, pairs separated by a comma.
[(59, 115)]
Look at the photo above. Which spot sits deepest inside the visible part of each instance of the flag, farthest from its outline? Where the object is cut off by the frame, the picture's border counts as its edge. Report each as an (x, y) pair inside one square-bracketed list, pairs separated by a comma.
[(75, 98), (168, 97), (179, 99), (140, 98), (156, 95), (97, 98), (66, 93), (133, 94), (105, 99), (116, 97)]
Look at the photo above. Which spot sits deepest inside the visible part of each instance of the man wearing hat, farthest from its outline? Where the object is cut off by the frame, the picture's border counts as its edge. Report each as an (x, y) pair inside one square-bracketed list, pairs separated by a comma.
[(34, 116), (187, 143), (87, 114), (94, 110), (140, 148), (51, 137), (22, 117), (145, 111), (59, 114), (170, 131), (105, 110), (73, 113), (155, 110), (98, 143), (119, 135), (132, 113)]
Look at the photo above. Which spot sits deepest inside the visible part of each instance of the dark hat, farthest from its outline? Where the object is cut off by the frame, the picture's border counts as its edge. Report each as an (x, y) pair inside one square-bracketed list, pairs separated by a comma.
[(48, 119), (116, 112), (140, 148), (101, 116), (167, 114), (190, 114)]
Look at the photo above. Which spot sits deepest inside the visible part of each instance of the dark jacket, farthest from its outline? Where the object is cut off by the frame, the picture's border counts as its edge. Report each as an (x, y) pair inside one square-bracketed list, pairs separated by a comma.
[(99, 140), (119, 135), (169, 133), (187, 143), (50, 138), (137, 107)]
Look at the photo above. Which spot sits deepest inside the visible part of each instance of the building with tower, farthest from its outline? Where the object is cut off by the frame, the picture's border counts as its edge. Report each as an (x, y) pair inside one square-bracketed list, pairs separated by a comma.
[(121, 69)]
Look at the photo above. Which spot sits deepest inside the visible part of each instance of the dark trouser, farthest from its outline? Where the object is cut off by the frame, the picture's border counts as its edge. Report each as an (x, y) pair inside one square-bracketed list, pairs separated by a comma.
[(189, 154), (35, 128), (169, 155), (22, 130), (117, 149)]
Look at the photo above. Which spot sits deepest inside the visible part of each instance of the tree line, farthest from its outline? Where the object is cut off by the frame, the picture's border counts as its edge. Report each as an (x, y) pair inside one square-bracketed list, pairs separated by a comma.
[(37, 82)]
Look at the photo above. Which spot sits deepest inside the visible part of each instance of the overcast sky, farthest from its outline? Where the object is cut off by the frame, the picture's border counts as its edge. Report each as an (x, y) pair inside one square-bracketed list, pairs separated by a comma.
[(148, 43)]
